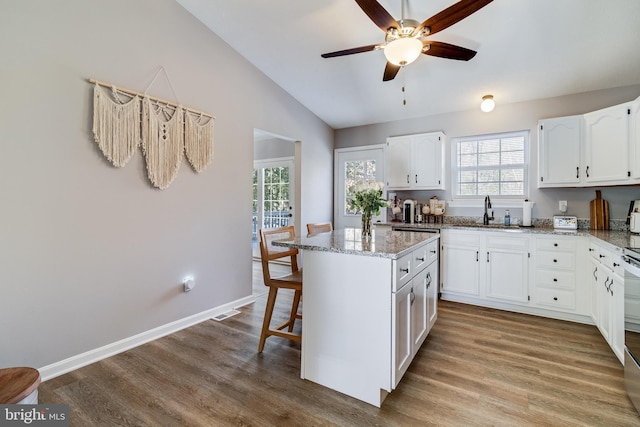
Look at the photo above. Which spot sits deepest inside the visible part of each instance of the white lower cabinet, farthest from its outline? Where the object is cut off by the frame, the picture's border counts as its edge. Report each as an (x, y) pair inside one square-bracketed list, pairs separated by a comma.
[(507, 275), (460, 262), (607, 284), (415, 305), (485, 266), (559, 283)]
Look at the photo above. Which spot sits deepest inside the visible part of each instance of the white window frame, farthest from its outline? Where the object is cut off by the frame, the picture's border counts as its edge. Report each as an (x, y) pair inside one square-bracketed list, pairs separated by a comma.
[(458, 200)]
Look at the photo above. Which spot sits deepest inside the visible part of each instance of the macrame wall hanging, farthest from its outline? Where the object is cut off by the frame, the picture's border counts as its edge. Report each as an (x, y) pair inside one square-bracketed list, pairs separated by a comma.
[(164, 129)]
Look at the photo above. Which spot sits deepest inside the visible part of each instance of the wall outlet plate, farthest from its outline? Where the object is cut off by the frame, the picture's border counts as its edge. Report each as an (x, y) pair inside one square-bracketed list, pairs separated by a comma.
[(562, 205)]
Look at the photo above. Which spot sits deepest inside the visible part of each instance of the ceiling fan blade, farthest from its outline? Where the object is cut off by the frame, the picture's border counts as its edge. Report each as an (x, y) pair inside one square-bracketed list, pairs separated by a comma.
[(390, 72), (351, 51), (449, 51), (451, 15), (377, 14)]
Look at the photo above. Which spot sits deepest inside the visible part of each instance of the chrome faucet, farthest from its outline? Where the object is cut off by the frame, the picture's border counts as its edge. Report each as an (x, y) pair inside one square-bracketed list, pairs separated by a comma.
[(487, 206)]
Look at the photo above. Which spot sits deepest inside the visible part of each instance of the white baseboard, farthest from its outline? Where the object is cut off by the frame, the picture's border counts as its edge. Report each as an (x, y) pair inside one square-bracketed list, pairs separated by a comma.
[(72, 363)]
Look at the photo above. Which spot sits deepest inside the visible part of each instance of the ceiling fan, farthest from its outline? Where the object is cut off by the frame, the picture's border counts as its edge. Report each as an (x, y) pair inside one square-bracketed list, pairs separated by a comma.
[(405, 38)]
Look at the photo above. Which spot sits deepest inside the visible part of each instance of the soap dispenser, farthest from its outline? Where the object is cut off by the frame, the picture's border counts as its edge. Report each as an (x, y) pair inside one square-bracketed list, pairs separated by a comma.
[(507, 218)]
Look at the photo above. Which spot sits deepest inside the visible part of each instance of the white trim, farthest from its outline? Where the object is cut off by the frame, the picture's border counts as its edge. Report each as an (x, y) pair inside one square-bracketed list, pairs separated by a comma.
[(78, 361)]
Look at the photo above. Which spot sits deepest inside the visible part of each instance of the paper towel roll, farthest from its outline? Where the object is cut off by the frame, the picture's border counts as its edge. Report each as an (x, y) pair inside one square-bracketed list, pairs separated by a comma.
[(526, 213)]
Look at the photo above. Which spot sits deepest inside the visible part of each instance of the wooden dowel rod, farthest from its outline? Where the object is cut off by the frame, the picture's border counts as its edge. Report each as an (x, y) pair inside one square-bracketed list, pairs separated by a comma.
[(153, 98)]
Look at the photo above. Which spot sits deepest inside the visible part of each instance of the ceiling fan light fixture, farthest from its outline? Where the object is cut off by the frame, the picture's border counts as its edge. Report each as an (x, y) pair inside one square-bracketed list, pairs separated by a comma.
[(403, 51), (488, 104)]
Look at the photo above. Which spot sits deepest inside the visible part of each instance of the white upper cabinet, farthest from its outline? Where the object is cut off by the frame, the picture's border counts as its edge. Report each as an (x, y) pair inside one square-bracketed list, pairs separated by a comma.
[(595, 149), (559, 141), (416, 161), (607, 146)]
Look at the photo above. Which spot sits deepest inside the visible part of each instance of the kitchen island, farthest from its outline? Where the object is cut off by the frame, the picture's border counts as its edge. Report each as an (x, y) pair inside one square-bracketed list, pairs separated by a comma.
[(367, 307)]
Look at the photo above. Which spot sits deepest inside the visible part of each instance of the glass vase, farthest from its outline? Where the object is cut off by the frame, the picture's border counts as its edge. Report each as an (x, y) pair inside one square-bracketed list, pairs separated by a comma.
[(366, 225)]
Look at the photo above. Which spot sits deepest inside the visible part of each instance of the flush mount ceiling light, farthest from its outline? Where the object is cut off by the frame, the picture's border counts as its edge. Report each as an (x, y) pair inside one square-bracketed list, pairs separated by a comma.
[(487, 103)]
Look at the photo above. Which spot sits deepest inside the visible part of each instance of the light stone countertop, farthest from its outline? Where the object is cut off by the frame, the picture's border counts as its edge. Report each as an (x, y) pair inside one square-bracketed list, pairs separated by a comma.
[(383, 243), (619, 239), (392, 244)]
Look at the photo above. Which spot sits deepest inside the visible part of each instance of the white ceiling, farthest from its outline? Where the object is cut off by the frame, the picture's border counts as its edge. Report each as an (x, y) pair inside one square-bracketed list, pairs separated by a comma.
[(527, 49)]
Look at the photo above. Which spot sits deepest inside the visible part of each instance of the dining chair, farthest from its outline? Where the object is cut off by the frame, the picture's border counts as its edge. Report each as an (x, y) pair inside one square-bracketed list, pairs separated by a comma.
[(322, 227), (292, 281)]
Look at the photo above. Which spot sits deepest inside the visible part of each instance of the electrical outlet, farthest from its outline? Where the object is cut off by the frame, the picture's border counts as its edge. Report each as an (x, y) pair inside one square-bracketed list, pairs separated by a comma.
[(562, 205)]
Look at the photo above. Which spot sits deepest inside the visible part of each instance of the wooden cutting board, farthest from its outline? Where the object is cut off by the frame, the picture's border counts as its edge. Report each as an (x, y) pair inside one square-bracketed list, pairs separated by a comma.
[(599, 213)]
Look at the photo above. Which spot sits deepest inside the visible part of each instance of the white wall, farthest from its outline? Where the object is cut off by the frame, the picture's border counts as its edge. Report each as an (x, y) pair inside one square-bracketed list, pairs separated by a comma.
[(91, 254), (520, 116)]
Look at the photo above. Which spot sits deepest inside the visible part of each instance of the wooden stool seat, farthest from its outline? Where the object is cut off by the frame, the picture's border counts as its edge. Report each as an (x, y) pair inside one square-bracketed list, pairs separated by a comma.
[(292, 281), (17, 383)]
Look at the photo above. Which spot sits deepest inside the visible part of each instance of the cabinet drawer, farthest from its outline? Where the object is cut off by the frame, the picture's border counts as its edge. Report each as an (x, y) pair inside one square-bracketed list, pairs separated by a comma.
[(432, 251), (555, 279), (420, 259), (555, 244), (556, 298), (403, 271), (562, 260)]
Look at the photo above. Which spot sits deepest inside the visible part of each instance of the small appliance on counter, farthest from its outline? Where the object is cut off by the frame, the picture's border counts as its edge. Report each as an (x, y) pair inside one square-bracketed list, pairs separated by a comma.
[(561, 222), (409, 211), (633, 219)]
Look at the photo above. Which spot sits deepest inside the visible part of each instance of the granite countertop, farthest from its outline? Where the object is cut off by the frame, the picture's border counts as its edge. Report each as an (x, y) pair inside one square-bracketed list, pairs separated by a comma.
[(383, 243), (619, 239)]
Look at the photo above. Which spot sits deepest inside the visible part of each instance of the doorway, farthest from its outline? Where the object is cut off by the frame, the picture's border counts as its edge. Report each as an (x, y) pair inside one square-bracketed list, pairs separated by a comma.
[(274, 184)]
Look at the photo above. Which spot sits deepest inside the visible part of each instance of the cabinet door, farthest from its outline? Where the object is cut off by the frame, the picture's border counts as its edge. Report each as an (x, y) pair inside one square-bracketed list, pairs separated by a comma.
[(607, 145), (403, 341), (595, 291), (616, 292), (559, 142), (419, 309), (432, 295), (460, 269), (507, 275), (428, 161), (605, 279), (398, 162), (634, 138)]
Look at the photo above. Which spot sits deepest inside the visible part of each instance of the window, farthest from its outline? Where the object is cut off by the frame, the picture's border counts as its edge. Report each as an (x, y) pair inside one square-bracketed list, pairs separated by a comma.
[(355, 171), (495, 165)]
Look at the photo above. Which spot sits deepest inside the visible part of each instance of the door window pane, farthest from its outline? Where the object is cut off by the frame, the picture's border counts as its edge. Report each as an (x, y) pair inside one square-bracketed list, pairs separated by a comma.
[(355, 171)]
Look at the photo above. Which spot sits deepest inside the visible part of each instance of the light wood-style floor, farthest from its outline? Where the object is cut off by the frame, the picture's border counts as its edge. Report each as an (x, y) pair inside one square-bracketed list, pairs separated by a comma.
[(478, 367)]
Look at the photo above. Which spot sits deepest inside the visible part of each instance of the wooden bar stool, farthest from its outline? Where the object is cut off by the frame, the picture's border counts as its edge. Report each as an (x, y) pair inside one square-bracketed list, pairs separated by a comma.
[(19, 385), (323, 227), (293, 281)]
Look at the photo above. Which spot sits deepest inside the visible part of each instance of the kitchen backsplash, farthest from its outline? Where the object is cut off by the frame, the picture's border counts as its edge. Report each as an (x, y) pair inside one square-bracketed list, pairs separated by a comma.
[(614, 224)]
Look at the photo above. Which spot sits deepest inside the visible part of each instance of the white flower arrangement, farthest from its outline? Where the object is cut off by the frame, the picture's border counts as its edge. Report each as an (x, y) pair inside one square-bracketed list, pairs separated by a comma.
[(367, 196)]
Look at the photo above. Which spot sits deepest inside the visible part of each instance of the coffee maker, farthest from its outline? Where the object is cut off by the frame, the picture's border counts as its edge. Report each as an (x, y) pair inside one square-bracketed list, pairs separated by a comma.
[(409, 211)]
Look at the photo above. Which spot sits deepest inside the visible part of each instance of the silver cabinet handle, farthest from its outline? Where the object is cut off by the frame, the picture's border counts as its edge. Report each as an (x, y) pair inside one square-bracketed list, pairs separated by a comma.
[(407, 178), (487, 256)]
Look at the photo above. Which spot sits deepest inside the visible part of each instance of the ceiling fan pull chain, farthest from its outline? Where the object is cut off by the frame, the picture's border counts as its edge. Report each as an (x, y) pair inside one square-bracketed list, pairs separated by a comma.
[(404, 94)]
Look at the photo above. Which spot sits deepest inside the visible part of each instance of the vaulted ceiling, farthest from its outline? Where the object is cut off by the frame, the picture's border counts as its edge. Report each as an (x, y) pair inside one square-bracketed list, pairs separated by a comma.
[(527, 49)]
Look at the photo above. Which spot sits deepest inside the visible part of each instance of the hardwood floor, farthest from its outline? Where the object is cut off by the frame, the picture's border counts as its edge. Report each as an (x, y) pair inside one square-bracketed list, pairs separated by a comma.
[(478, 367)]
